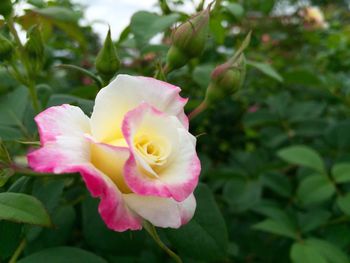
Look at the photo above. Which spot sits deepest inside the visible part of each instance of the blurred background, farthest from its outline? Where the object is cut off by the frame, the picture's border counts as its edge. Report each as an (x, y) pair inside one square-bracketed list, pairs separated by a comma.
[(275, 152)]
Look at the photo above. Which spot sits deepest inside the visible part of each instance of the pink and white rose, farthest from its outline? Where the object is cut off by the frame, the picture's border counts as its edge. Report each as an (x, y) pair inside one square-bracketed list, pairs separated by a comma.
[(135, 152)]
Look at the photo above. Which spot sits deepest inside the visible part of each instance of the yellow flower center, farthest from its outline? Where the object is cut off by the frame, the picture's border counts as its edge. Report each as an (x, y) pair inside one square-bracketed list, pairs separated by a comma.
[(153, 149)]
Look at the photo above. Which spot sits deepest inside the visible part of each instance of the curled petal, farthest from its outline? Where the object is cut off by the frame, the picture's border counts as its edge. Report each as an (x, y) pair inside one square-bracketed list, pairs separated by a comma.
[(127, 92), (68, 151), (162, 212), (178, 177)]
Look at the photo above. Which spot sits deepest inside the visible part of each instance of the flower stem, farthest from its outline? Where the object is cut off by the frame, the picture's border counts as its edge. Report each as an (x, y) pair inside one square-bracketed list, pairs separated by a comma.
[(153, 233), (18, 251), (22, 55), (198, 110)]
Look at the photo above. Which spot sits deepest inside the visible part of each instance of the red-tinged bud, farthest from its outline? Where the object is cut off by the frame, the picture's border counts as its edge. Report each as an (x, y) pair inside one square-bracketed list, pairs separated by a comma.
[(227, 79), (188, 40)]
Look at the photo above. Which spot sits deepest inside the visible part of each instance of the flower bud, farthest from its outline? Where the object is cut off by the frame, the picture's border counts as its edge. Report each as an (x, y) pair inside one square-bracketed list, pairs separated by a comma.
[(226, 79), (107, 61), (189, 40), (5, 8), (6, 48), (35, 48)]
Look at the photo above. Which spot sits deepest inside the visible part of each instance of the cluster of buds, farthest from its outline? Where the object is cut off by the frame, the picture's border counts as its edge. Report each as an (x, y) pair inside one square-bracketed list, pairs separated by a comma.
[(313, 18), (188, 40), (228, 78), (6, 48), (107, 62)]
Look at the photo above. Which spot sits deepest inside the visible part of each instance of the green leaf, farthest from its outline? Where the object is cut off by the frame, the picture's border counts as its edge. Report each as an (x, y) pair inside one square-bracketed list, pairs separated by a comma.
[(235, 9), (267, 69), (304, 253), (242, 194), (99, 237), (12, 107), (344, 203), (341, 172), (9, 133), (63, 219), (58, 13), (317, 250), (315, 189), (23, 208), (59, 99), (9, 238), (145, 25), (303, 156), (5, 174), (282, 228), (279, 183), (201, 75), (63, 254), (205, 236), (313, 219)]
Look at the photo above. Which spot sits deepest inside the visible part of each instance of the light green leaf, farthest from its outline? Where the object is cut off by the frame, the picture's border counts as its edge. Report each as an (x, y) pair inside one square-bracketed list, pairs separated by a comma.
[(145, 25), (315, 189), (62, 254), (57, 13), (205, 236), (267, 69), (23, 208), (303, 156), (235, 9), (341, 172)]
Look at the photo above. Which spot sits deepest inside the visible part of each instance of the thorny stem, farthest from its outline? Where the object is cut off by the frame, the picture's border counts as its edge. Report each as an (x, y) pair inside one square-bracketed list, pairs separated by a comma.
[(153, 233)]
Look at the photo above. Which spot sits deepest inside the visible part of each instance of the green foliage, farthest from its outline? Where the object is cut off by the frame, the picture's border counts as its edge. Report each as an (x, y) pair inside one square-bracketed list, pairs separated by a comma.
[(275, 181), (23, 208)]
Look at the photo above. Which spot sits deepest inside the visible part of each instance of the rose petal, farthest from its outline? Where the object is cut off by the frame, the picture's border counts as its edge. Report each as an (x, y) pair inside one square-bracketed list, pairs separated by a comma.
[(127, 92), (66, 150), (179, 177), (162, 212)]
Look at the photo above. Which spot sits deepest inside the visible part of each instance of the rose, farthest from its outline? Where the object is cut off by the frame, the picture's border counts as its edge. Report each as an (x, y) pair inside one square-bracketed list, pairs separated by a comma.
[(135, 152)]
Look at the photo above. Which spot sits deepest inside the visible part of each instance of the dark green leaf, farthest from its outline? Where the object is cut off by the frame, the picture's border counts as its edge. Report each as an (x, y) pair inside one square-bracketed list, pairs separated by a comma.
[(205, 236), (315, 189), (63, 254), (267, 69), (344, 203)]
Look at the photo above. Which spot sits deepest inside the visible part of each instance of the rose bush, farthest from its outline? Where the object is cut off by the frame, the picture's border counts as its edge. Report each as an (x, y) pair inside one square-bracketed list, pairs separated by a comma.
[(135, 152)]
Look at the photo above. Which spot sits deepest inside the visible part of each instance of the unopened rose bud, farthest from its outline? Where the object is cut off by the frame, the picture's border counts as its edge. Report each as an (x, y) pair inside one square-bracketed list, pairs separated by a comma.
[(107, 61), (188, 40), (6, 48), (226, 79), (35, 48), (5, 8)]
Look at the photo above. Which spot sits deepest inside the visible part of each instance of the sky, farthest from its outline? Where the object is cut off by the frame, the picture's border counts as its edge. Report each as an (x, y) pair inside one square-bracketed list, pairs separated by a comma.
[(116, 13)]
